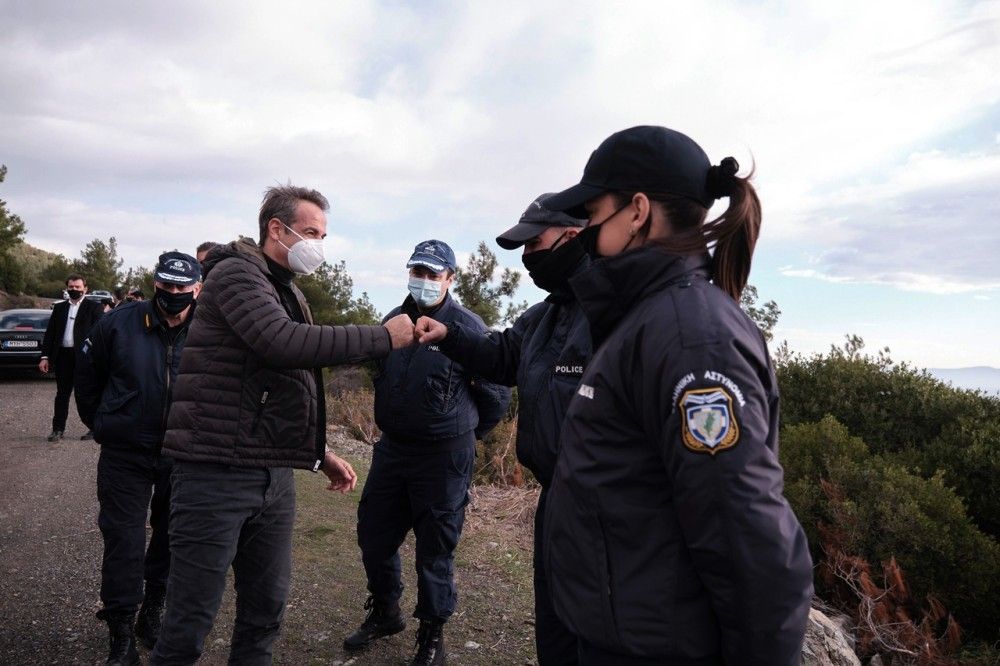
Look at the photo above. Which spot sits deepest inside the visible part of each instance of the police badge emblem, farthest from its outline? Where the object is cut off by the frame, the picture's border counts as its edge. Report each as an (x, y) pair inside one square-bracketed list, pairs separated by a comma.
[(708, 422)]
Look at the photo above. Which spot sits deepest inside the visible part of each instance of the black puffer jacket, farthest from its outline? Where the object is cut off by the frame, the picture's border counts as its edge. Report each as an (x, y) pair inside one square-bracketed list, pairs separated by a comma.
[(544, 354), (124, 373), (246, 394), (667, 534)]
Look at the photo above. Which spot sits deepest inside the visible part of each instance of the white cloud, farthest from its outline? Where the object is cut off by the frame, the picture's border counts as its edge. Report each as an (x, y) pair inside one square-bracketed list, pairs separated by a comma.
[(131, 118)]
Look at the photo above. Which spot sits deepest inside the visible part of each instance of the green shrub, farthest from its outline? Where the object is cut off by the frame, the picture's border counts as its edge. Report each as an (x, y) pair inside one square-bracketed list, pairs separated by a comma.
[(924, 424)]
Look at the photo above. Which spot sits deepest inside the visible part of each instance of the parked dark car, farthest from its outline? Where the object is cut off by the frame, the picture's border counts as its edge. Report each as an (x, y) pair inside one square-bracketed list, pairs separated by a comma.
[(21, 333)]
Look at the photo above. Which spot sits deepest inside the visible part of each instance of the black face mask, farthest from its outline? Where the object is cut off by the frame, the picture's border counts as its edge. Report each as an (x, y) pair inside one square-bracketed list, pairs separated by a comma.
[(550, 269), (588, 237), (173, 304), (74, 294)]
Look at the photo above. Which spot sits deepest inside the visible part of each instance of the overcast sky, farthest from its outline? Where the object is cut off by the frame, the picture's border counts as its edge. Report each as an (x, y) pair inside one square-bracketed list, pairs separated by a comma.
[(874, 127)]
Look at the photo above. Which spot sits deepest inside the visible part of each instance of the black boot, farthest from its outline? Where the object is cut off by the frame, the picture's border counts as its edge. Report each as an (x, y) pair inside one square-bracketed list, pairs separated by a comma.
[(147, 625), (430, 645), (382, 620), (121, 640)]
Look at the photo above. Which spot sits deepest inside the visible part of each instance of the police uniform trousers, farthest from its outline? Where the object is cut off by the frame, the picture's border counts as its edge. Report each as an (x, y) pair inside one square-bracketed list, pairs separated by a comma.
[(223, 516), (409, 488), (131, 483)]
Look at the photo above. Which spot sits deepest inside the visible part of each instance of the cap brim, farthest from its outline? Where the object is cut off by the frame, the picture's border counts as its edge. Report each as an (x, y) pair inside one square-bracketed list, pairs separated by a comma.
[(428, 262), (175, 279), (571, 200), (519, 234)]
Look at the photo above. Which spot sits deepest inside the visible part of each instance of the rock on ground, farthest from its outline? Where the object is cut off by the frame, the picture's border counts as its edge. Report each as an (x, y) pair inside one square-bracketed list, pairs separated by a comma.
[(827, 643)]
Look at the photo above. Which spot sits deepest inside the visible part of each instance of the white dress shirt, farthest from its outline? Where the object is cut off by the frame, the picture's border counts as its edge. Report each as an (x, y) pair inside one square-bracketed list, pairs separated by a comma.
[(67, 340)]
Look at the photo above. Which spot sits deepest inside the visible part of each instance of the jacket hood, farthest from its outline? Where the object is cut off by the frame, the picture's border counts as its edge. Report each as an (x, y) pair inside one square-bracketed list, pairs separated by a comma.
[(245, 248), (614, 285)]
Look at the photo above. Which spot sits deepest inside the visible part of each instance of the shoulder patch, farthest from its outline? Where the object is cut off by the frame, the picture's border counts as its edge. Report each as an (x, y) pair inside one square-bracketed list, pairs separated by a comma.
[(708, 420)]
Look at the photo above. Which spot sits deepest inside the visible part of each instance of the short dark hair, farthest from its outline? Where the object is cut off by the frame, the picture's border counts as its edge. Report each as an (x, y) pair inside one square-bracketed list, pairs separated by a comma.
[(75, 276), (282, 200), (206, 246)]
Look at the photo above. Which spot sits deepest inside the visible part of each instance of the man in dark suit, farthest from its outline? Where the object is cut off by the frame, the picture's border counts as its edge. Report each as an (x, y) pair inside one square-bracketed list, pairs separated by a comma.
[(68, 327)]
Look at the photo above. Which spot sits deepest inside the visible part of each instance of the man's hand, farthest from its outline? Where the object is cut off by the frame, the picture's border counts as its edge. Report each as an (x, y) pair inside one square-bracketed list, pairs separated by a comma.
[(428, 331), (400, 331), (43, 366), (339, 471)]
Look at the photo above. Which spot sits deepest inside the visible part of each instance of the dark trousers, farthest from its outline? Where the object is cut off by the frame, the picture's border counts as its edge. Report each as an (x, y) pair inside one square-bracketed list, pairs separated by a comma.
[(130, 484), (65, 367), (554, 643), (425, 492), (222, 516)]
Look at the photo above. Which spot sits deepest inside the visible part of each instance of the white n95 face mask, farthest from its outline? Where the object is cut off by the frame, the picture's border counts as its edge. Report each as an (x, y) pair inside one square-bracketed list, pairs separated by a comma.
[(305, 256), (425, 292)]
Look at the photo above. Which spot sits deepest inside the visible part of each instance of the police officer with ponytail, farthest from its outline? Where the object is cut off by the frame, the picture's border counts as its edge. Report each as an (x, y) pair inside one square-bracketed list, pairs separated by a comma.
[(668, 540)]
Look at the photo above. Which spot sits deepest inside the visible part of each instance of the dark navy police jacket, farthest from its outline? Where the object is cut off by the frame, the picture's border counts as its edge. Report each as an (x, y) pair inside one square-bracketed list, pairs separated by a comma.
[(426, 401), (544, 354), (667, 533), (125, 372)]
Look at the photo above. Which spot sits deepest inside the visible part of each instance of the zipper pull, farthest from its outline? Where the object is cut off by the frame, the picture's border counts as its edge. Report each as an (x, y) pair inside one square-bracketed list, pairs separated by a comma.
[(263, 397)]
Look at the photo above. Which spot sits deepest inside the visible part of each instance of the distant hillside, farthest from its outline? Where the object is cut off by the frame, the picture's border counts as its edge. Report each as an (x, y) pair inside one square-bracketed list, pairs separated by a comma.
[(982, 377)]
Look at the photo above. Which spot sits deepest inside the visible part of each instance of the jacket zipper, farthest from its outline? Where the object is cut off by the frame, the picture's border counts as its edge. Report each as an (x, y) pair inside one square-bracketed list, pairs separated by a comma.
[(260, 410), (610, 594), (166, 394)]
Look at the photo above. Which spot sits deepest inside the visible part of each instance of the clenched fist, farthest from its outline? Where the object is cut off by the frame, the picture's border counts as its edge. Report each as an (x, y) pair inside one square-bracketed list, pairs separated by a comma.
[(400, 331), (428, 331)]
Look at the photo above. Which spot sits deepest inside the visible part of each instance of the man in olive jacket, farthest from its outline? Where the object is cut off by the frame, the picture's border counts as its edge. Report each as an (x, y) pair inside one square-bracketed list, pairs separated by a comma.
[(248, 407)]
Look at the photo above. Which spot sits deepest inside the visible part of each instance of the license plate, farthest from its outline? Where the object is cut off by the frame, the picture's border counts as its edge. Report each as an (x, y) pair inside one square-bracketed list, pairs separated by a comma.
[(20, 344)]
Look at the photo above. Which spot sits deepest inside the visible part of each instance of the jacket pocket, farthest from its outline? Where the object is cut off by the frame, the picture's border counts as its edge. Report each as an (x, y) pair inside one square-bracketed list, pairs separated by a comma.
[(608, 584), (577, 565), (117, 419), (277, 411)]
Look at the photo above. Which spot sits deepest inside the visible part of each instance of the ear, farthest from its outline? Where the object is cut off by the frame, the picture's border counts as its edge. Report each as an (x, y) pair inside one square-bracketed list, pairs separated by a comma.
[(274, 226), (640, 212), (571, 232), (197, 289)]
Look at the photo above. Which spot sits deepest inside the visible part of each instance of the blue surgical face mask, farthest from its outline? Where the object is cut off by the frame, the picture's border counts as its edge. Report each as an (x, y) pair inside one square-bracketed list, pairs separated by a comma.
[(425, 292)]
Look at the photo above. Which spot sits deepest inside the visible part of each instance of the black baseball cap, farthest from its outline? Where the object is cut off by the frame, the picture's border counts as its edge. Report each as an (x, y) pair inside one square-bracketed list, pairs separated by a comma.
[(177, 268), (647, 158), (536, 219)]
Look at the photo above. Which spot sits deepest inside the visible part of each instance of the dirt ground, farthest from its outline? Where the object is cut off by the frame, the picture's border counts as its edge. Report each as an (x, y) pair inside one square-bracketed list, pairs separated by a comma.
[(50, 551)]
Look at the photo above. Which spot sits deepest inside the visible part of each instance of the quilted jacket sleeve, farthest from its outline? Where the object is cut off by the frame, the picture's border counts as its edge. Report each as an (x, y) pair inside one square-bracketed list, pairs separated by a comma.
[(250, 306)]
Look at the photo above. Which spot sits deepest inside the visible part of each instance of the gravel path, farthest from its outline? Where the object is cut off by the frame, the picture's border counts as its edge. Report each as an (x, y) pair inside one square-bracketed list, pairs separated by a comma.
[(50, 549), (50, 552)]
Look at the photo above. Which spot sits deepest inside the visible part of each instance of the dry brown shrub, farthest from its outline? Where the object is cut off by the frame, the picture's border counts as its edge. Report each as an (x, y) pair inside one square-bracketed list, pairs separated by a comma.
[(496, 458), (506, 511), (355, 410), (888, 621)]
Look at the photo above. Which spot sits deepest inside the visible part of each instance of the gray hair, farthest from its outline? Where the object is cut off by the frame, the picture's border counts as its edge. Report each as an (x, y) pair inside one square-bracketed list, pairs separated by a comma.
[(281, 201)]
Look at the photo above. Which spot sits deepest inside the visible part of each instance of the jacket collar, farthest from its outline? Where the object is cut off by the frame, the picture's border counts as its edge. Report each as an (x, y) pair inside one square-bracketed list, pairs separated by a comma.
[(410, 308), (151, 319), (614, 285), (564, 294)]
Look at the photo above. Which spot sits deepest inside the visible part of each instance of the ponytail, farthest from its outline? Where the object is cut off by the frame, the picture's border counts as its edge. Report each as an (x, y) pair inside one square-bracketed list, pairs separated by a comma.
[(735, 234), (731, 236)]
